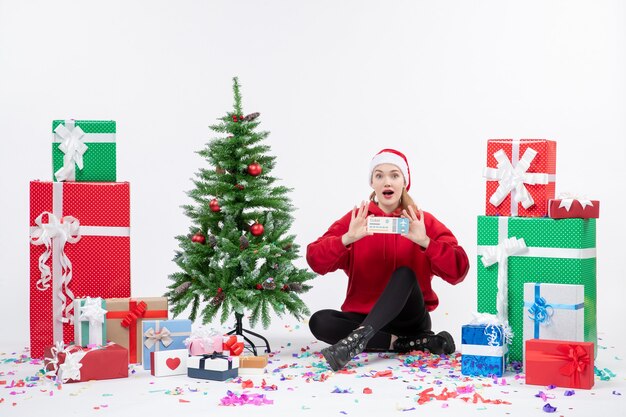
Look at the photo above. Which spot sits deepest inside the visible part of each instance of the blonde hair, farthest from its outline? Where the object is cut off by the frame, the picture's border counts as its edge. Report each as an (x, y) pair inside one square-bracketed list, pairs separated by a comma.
[(405, 200)]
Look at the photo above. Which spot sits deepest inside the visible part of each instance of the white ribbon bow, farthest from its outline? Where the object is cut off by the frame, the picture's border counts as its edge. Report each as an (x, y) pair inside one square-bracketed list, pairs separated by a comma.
[(73, 149), (153, 337), (500, 254), (513, 179), (93, 312), (66, 230), (70, 368), (493, 328), (567, 199)]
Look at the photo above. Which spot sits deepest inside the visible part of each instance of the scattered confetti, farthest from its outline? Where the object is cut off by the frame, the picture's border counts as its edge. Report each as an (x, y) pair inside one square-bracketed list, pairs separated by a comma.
[(232, 399), (423, 378), (548, 408), (176, 391), (604, 374)]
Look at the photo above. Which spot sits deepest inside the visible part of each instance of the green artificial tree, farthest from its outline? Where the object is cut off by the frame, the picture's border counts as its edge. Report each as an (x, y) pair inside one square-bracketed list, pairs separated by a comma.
[(237, 258)]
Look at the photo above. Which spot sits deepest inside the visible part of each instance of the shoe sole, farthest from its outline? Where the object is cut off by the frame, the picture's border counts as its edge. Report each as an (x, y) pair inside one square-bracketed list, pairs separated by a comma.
[(328, 355), (449, 346)]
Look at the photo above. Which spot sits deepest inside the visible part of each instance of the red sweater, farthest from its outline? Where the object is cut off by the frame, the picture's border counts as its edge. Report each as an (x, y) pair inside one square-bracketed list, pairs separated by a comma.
[(370, 261)]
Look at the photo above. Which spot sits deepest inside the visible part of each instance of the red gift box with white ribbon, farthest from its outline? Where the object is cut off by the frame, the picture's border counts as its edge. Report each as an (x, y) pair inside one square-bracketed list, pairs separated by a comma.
[(80, 247), (565, 364), (568, 206), (520, 177), (79, 364)]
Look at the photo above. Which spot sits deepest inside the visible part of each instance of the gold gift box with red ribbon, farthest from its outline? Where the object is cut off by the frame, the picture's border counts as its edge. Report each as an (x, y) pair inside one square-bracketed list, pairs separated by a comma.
[(124, 321)]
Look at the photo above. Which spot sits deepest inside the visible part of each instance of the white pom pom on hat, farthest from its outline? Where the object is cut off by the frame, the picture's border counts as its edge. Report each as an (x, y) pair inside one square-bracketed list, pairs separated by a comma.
[(397, 158)]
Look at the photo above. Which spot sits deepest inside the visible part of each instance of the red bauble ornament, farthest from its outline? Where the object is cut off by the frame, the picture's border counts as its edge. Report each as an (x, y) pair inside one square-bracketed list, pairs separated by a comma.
[(235, 118), (257, 229), (259, 287), (255, 169), (214, 205), (239, 187), (198, 238)]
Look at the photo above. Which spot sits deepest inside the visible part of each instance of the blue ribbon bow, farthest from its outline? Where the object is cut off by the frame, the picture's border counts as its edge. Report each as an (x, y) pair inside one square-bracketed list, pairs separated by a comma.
[(541, 311)]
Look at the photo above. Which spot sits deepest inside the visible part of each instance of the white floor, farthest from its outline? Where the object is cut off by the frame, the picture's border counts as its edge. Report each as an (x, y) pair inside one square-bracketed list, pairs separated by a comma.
[(304, 385)]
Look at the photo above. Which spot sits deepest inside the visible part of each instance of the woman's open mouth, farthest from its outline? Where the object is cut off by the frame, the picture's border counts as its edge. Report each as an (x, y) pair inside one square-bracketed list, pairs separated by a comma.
[(388, 193)]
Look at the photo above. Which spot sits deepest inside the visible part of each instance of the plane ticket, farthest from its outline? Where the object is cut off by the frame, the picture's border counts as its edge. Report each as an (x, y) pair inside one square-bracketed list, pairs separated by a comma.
[(388, 225)]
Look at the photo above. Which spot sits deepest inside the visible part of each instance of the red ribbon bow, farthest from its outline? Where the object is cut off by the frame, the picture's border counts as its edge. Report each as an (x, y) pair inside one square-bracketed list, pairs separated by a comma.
[(138, 311), (577, 360), (235, 347)]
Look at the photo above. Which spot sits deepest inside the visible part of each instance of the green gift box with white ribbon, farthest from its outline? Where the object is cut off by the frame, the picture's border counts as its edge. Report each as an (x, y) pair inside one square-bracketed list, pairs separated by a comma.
[(513, 251), (84, 150)]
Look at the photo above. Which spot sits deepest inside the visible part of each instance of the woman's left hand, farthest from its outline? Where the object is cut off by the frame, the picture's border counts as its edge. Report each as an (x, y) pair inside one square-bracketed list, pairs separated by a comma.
[(417, 229)]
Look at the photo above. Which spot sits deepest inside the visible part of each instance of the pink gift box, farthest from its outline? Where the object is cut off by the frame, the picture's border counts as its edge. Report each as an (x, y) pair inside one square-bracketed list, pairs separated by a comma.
[(205, 345)]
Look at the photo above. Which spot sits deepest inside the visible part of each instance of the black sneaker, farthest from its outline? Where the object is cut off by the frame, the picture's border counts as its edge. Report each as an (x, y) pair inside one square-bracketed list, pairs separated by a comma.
[(441, 342), (339, 354)]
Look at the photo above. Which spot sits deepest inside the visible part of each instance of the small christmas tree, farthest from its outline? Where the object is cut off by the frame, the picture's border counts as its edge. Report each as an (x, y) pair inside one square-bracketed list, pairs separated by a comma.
[(238, 255)]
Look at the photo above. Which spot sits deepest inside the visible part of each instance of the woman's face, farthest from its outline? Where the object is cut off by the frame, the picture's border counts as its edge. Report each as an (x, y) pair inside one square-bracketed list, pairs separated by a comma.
[(388, 182)]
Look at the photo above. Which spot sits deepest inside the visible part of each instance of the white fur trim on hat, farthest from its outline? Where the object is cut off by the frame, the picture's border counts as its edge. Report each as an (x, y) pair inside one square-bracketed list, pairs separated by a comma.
[(391, 156)]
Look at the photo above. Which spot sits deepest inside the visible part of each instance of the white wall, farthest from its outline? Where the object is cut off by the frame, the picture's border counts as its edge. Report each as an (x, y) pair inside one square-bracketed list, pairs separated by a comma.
[(335, 82)]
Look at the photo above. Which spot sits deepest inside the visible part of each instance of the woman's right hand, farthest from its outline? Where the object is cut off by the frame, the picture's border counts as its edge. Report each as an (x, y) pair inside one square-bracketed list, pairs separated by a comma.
[(358, 225)]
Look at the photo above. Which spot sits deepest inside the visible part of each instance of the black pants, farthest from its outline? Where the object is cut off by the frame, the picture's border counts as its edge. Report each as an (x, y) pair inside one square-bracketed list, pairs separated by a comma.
[(400, 311)]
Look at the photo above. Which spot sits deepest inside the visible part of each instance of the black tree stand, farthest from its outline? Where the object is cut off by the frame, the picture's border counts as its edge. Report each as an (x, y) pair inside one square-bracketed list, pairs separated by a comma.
[(239, 331)]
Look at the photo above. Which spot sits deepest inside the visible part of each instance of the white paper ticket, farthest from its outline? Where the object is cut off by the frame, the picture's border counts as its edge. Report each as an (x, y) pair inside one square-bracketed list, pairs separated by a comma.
[(388, 225)]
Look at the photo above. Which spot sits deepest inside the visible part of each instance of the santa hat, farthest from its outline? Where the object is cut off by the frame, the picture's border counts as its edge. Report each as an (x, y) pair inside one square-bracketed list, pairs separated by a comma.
[(397, 158)]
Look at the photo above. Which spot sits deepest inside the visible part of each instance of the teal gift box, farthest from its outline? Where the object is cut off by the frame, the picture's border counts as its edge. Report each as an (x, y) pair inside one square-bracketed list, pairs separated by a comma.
[(161, 335), (90, 322), (552, 251), (84, 150)]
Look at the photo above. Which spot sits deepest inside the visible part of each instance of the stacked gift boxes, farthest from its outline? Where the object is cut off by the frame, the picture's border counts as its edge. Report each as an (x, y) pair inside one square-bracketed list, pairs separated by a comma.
[(80, 232), (218, 365), (80, 248), (518, 245)]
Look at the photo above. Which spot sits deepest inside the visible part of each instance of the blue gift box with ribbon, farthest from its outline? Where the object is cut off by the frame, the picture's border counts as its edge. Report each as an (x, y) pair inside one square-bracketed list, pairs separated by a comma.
[(554, 311), (216, 367), (163, 335), (484, 350)]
